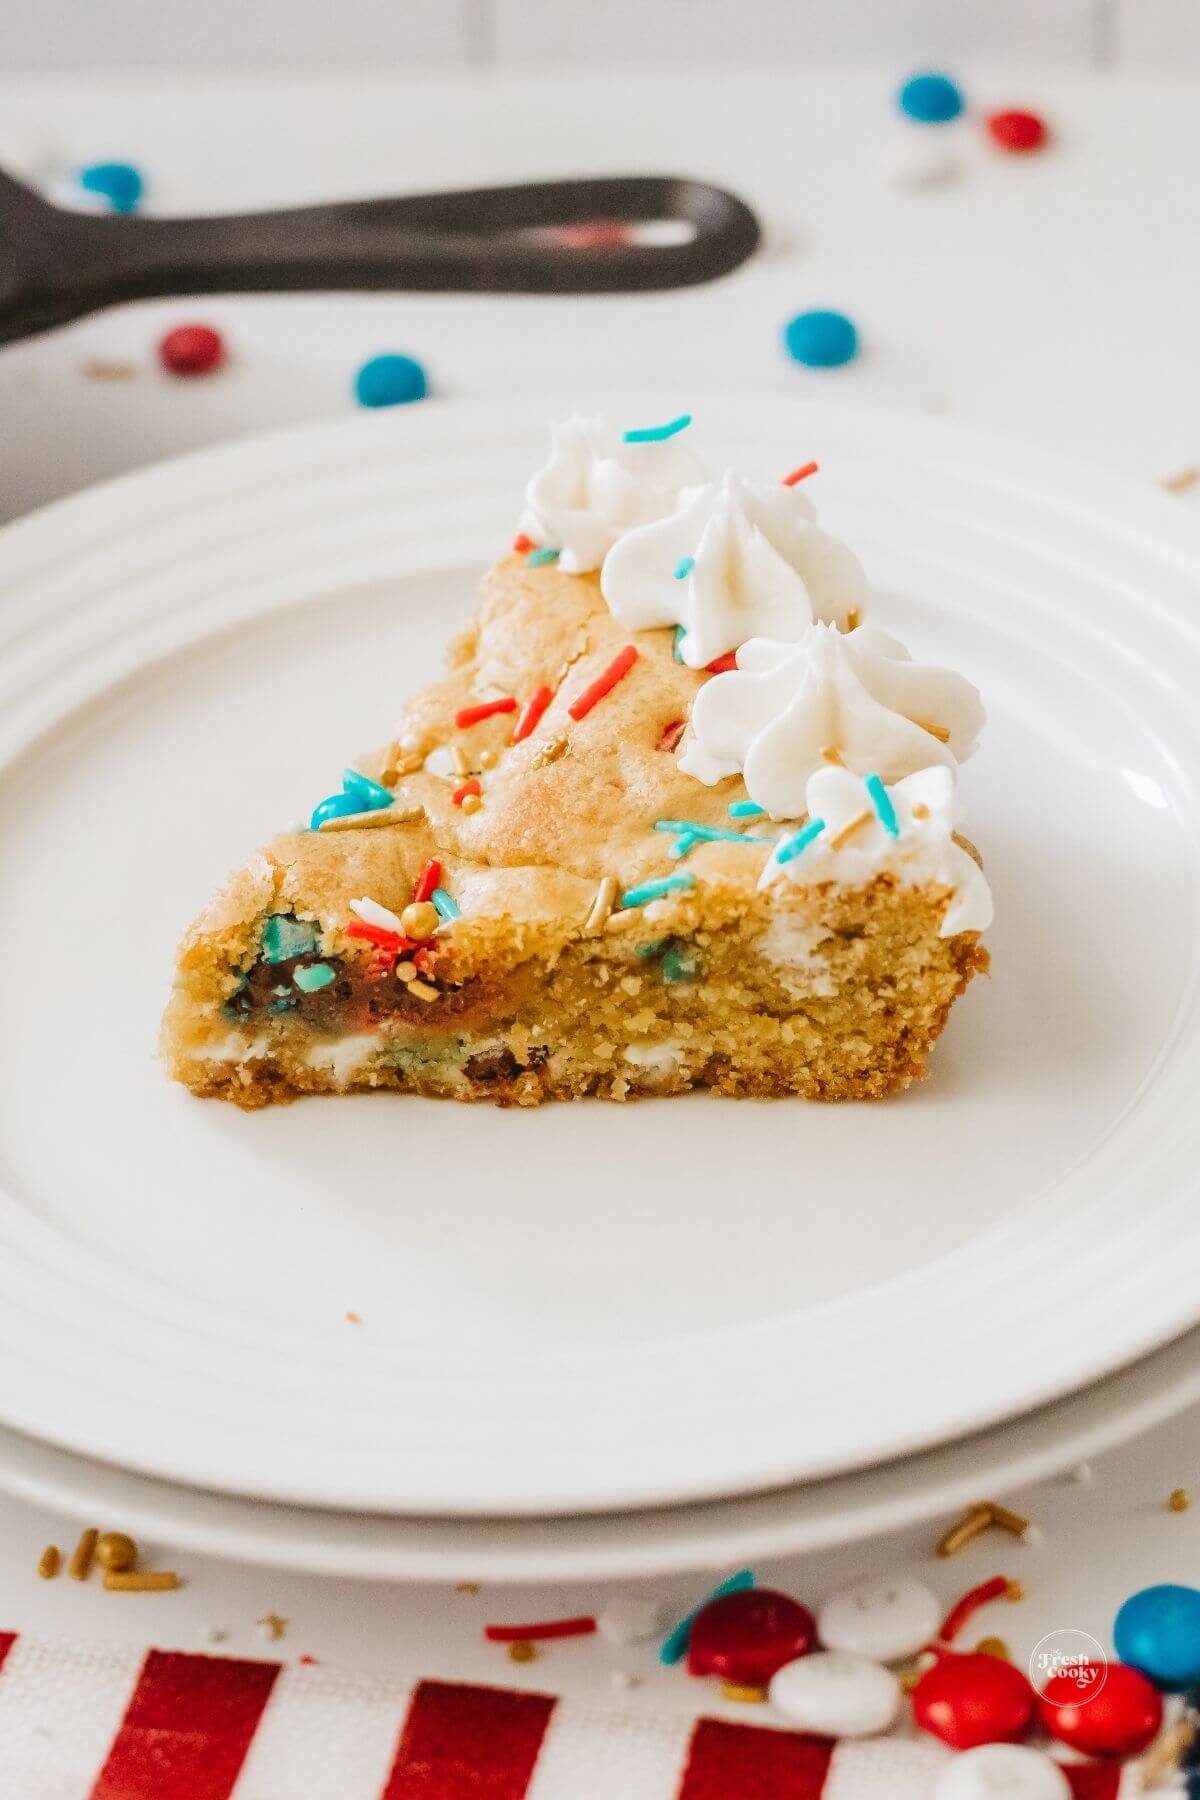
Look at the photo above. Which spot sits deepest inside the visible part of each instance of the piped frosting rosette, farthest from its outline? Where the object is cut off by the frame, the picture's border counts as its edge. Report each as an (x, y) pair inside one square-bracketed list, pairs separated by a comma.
[(596, 486), (855, 700), (739, 559), (856, 831)]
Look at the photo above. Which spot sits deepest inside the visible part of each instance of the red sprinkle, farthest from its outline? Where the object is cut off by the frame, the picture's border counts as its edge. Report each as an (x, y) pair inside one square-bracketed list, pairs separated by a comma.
[(671, 734), (534, 707), (548, 1628), (604, 683), (969, 1605), (800, 474), (468, 787), (522, 545), (721, 665), (191, 350), (375, 934), (429, 878), (1018, 131), (471, 715)]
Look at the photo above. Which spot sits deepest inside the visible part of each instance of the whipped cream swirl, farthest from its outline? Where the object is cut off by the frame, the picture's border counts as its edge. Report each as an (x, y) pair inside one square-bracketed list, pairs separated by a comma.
[(596, 486), (739, 559), (857, 700), (855, 844)]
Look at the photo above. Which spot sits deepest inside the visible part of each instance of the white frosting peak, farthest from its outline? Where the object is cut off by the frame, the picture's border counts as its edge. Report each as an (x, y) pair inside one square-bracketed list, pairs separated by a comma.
[(855, 699), (738, 560), (855, 844), (595, 486)]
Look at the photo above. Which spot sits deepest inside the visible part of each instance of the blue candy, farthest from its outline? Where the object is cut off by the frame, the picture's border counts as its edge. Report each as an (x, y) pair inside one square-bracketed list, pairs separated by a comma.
[(369, 794), (821, 340), (930, 98), (337, 806), (1158, 1632), (118, 183), (390, 381)]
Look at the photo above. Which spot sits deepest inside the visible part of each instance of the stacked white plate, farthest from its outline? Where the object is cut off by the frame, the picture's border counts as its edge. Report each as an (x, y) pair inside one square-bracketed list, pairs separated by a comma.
[(592, 1340)]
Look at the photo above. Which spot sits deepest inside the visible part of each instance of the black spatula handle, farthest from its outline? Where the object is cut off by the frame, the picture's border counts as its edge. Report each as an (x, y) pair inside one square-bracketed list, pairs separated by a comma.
[(57, 265)]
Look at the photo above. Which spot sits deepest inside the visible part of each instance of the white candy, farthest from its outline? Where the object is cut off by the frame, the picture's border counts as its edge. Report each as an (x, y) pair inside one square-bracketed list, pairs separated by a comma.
[(629, 1619), (1006, 1770), (885, 1618), (837, 1696)]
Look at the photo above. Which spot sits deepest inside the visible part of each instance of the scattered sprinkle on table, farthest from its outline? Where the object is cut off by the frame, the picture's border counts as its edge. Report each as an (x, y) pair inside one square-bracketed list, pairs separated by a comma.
[(993, 1646), (654, 890), (531, 713), (538, 558), (1018, 131), (99, 368), (390, 380), (1179, 1500), (115, 1550), (80, 1565), (352, 1318), (541, 1632), (657, 434), (49, 1562), (119, 183), (881, 800), (796, 846), (271, 1626), (1007, 1520), (974, 1521), (604, 683), (801, 474), (140, 1581), (1182, 482), (969, 1605), (821, 339), (191, 350), (522, 1651), (930, 98)]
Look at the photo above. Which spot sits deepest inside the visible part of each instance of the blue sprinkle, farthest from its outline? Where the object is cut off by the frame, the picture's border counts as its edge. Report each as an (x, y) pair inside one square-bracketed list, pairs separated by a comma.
[(677, 651), (390, 380), (314, 976), (656, 434), (447, 908), (117, 182), (713, 834), (683, 846), (653, 890), (536, 558), (881, 800), (821, 340), (684, 567), (285, 936), (681, 963), (745, 809), (930, 98), (370, 795), (675, 1645), (794, 846), (337, 806)]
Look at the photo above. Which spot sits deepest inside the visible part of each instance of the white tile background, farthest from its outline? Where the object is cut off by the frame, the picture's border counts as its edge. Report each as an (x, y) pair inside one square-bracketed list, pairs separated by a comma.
[(257, 36)]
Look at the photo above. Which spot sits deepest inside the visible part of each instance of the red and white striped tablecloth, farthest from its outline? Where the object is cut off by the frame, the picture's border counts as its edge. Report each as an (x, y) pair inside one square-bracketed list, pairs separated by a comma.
[(91, 1722)]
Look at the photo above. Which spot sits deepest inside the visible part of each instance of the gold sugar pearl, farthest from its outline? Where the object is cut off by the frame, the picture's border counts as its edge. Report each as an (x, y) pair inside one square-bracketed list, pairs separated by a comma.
[(420, 919), (470, 803), (116, 1551), (522, 1651), (406, 971), (993, 1646), (488, 759), (1180, 1500)]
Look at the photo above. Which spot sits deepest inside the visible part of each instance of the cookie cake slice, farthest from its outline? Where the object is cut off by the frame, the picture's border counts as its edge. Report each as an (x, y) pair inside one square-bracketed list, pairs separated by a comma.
[(675, 817)]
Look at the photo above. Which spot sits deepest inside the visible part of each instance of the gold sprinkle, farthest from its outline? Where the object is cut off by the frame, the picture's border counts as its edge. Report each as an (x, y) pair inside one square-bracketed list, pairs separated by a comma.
[(458, 757), (140, 1581), (1008, 1521), (275, 1626), (470, 803), (975, 1520), (602, 904), (80, 1565), (116, 1551), (993, 1646), (522, 1651), (628, 919), (488, 759), (466, 1587), (549, 752), (1166, 1753), (940, 732), (377, 816), (1179, 484), (99, 368), (910, 1676), (853, 617), (1015, 1591), (419, 919), (734, 1690), (849, 828), (423, 991), (1180, 1500), (832, 754), (49, 1562), (920, 810), (352, 1319), (406, 971)]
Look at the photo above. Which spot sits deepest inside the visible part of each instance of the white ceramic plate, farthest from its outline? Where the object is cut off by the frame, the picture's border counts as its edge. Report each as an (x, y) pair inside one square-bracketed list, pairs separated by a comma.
[(717, 1534), (578, 1308)]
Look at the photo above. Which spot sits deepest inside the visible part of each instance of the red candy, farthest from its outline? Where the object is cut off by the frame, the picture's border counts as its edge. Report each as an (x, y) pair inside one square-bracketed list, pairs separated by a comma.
[(745, 1637), (191, 350), (1018, 131), (972, 1700), (1116, 1714)]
